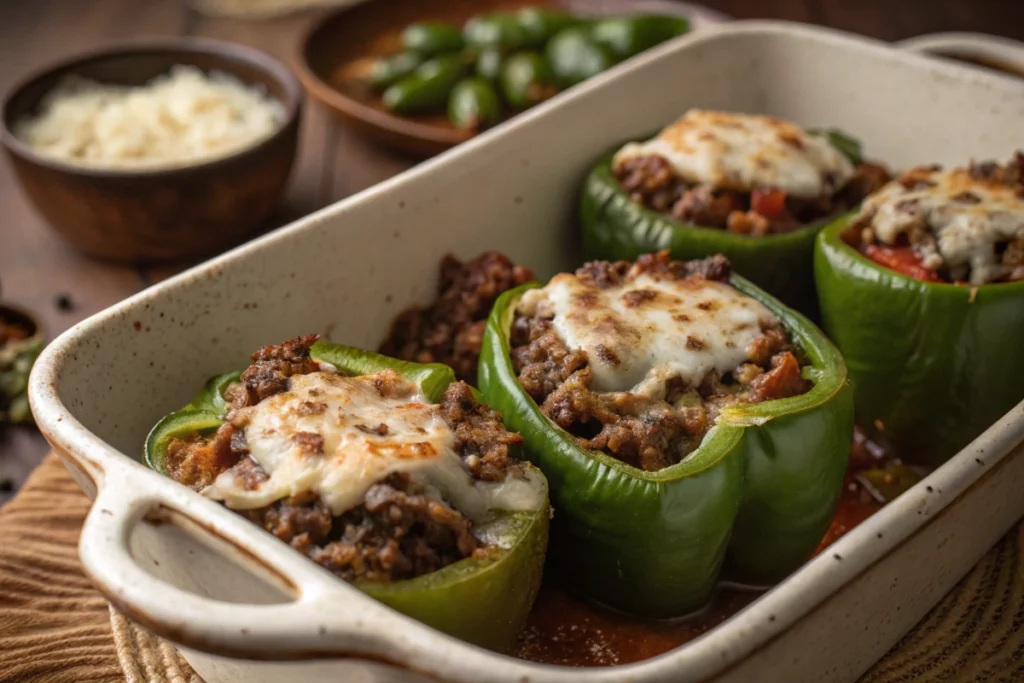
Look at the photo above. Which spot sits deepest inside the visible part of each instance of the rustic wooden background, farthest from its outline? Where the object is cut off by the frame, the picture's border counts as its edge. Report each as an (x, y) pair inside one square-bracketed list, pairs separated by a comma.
[(35, 266)]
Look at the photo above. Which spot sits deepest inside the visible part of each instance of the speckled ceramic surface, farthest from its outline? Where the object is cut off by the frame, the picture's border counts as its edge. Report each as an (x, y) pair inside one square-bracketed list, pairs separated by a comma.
[(1000, 52), (204, 577)]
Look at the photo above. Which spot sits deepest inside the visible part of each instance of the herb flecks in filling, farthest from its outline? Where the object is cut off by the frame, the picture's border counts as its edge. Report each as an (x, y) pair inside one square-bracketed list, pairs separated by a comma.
[(280, 459), (746, 174), (963, 225), (671, 343)]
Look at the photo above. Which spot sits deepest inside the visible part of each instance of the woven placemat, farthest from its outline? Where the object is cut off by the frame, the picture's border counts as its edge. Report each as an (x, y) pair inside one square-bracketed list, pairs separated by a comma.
[(55, 628)]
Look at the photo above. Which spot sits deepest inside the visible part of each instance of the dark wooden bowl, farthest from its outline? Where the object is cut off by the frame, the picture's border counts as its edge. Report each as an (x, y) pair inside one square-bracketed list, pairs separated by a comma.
[(337, 52), (139, 215)]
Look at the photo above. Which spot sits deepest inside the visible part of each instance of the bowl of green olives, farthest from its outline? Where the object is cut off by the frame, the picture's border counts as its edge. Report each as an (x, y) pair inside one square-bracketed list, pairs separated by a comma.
[(425, 75)]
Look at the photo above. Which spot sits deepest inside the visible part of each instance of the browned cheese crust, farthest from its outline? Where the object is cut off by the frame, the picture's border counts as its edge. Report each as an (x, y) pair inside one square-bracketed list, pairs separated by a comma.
[(647, 433), (399, 532), (651, 182)]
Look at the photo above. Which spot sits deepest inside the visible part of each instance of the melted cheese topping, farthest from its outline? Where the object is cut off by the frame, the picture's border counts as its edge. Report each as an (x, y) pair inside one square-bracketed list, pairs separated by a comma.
[(744, 152), (337, 436), (640, 334), (968, 217)]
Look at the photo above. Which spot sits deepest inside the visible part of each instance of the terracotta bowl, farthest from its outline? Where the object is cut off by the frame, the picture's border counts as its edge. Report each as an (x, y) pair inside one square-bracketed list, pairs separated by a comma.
[(139, 215), (338, 51)]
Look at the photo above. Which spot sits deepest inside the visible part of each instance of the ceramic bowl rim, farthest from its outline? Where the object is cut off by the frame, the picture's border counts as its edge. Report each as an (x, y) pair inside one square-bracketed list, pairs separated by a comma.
[(275, 69)]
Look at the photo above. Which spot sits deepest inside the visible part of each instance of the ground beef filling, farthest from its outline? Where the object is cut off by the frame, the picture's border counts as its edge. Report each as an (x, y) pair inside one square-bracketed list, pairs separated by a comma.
[(909, 255), (399, 532), (450, 331), (650, 434), (651, 182)]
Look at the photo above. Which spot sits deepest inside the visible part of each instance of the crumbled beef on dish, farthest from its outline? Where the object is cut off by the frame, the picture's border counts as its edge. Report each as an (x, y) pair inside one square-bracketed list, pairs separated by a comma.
[(196, 460), (450, 331), (273, 365), (482, 440), (651, 182), (648, 433), (399, 532)]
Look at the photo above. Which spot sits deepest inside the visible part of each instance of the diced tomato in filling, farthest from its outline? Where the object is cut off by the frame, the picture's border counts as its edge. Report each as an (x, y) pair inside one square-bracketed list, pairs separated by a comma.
[(769, 203), (903, 260)]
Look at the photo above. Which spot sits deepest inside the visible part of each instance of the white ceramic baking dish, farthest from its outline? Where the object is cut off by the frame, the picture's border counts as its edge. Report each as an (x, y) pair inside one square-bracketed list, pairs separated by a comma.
[(999, 52), (247, 608)]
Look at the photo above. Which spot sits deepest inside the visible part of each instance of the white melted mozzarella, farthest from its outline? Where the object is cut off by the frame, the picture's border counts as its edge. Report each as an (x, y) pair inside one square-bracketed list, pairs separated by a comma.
[(640, 334), (744, 152), (967, 215), (337, 436)]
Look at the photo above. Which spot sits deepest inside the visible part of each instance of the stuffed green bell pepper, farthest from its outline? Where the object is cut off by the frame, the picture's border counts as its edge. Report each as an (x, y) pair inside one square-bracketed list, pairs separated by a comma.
[(923, 292), (392, 475), (753, 188), (691, 426)]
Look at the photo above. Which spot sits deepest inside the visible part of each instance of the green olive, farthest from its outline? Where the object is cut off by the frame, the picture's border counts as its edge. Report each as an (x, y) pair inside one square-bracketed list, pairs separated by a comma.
[(427, 88), (574, 57), (526, 80), (474, 104), (540, 24), (628, 36), (389, 70), (430, 38), (499, 30)]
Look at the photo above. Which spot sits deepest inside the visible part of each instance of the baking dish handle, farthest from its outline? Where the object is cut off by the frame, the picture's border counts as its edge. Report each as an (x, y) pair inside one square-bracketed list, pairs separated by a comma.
[(326, 618)]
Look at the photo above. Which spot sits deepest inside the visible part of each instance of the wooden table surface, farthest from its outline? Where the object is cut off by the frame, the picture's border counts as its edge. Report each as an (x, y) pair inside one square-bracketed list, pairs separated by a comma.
[(334, 162)]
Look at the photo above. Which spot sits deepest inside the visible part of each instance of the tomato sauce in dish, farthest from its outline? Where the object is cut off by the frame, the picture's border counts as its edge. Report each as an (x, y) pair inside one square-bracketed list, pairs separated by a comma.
[(567, 631)]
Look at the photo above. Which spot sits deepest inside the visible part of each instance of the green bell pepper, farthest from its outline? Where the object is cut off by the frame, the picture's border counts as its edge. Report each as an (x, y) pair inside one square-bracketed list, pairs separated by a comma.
[(616, 228), (212, 397), (932, 364), (750, 504), (849, 146), (484, 601)]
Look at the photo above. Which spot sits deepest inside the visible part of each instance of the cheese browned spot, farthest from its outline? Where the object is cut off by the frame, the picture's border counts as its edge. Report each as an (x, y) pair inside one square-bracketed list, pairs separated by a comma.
[(354, 435), (745, 152), (654, 329), (967, 216)]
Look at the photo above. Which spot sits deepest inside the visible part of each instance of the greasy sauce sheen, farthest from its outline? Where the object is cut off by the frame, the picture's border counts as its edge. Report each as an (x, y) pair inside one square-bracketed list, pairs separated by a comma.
[(745, 152), (642, 333), (567, 631), (337, 436)]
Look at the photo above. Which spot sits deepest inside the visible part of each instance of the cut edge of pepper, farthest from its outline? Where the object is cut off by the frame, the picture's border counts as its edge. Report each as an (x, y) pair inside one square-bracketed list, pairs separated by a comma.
[(602, 173), (827, 368), (722, 437), (468, 567), (163, 432), (433, 379), (829, 239)]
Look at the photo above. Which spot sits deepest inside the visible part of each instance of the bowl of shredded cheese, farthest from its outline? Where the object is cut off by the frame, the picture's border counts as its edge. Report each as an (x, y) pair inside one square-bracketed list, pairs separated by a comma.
[(155, 151)]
